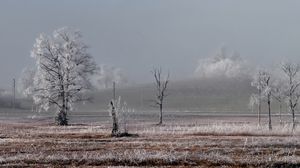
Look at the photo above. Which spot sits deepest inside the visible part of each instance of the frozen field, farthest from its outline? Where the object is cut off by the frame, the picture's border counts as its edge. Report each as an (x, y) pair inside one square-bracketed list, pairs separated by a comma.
[(183, 141)]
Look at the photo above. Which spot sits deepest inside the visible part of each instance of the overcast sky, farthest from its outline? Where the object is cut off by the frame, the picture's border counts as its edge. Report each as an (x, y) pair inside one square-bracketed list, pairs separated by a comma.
[(136, 35)]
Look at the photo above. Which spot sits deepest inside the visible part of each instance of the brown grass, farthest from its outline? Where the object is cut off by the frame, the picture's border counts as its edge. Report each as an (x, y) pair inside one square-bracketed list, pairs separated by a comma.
[(40, 145)]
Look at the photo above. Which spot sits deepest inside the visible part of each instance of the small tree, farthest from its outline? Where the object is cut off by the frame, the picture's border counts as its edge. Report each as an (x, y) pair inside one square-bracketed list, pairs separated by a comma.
[(292, 92), (161, 88), (63, 70), (124, 113), (25, 82), (120, 114), (253, 101), (278, 94), (258, 84), (267, 92), (115, 128), (262, 81)]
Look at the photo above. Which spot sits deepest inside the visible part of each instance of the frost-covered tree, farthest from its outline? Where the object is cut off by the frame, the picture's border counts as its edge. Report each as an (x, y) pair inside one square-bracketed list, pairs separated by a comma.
[(63, 70), (107, 75), (223, 64), (267, 92), (113, 111), (292, 90), (25, 82), (262, 82), (120, 114), (278, 94), (161, 88), (258, 84), (253, 101)]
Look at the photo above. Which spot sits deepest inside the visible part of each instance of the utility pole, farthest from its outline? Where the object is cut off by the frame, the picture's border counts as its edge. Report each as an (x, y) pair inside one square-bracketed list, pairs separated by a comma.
[(14, 93), (114, 91), (141, 98)]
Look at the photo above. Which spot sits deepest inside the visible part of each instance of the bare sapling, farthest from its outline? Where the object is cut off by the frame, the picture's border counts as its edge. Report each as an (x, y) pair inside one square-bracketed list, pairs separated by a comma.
[(120, 114), (161, 88), (266, 79)]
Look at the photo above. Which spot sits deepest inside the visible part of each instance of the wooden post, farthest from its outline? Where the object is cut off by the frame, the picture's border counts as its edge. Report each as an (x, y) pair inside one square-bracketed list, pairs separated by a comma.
[(114, 91), (14, 93)]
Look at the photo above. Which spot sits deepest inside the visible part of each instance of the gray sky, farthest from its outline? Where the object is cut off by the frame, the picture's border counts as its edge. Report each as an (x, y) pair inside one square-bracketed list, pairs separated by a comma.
[(136, 35)]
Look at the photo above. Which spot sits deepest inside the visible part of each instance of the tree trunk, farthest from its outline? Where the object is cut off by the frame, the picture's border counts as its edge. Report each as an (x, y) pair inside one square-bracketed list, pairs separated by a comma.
[(115, 129), (258, 112), (270, 122), (293, 115), (259, 106), (292, 108), (280, 111), (161, 111), (61, 118)]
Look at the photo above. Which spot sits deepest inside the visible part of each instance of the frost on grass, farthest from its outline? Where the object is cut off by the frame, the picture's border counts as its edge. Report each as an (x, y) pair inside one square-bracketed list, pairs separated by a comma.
[(221, 129), (183, 144)]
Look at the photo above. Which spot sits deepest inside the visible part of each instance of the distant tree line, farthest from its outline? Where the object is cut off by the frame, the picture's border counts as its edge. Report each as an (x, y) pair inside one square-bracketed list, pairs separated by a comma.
[(283, 87)]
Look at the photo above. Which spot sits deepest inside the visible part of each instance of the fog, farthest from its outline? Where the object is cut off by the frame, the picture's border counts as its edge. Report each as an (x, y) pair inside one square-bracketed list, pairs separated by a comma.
[(137, 35)]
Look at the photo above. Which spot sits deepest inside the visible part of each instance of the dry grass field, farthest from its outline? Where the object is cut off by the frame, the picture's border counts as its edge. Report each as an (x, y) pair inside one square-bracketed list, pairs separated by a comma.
[(175, 144)]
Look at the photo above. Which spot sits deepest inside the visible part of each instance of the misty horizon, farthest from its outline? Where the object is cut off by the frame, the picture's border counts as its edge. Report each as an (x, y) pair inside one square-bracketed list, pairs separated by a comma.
[(149, 83), (136, 36)]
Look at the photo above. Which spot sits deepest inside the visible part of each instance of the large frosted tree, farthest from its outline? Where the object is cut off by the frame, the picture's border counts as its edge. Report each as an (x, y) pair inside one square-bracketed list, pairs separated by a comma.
[(62, 73)]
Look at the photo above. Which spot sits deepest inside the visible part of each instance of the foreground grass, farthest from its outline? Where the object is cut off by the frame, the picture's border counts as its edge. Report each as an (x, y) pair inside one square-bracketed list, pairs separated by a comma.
[(180, 145)]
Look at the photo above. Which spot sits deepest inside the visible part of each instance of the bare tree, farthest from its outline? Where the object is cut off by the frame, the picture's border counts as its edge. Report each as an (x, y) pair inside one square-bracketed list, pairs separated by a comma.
[(262, 81), (267, 92), (292, 92), (161, 88), (63, 70)]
